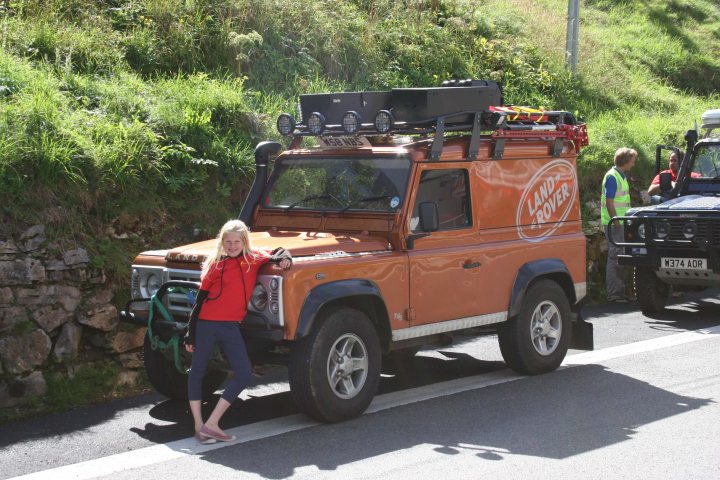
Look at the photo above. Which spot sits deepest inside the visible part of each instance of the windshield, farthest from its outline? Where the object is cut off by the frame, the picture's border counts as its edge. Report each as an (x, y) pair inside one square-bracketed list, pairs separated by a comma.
[(339, 184), (707, 161)]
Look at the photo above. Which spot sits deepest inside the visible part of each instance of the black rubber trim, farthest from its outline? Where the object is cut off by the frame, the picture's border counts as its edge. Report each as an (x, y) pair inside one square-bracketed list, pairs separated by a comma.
[(529, 272), (328, 292)]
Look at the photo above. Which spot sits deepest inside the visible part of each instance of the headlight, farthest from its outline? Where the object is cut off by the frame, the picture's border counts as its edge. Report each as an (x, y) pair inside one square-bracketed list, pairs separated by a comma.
[(316, 123), (689, 230), (662, 229), (641, 231), (259, 298), (152, 284), (274, 284), (285, 124), (351, 122), (383, 121)]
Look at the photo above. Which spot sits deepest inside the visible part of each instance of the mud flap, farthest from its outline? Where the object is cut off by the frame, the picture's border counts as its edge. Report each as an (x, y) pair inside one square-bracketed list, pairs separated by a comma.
[(582, 334)]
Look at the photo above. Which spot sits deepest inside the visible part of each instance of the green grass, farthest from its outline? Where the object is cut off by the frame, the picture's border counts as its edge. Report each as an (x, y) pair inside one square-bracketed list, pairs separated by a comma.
[(89, 384), (141, 107)]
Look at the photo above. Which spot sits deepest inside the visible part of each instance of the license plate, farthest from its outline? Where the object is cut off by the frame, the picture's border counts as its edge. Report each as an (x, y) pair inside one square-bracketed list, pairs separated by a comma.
[(684, 263), (343, 142)]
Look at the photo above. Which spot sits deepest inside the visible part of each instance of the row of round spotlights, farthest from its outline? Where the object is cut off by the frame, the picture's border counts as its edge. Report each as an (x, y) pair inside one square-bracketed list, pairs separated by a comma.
[(663, 229), (351, 123)]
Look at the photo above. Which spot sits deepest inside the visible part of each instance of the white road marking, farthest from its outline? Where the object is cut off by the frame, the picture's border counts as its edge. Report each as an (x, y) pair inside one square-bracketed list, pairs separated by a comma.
[(278, 426)]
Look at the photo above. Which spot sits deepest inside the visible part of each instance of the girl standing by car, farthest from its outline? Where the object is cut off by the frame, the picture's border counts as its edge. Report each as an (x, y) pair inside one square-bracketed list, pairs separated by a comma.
[(227, 281)]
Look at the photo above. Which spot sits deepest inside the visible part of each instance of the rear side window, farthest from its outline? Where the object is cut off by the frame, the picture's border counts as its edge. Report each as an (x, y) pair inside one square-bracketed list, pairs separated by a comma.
[(450, 190)]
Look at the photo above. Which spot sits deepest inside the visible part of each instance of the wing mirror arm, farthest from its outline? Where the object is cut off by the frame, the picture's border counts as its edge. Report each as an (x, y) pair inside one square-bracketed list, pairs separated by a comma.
[(666, 182), (428, 222)]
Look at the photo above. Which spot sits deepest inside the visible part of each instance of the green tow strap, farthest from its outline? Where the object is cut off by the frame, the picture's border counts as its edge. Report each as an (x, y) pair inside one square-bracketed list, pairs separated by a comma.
[(155, 341)]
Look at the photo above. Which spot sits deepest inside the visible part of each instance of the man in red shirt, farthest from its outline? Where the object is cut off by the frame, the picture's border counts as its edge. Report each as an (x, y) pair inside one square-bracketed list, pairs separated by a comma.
[(673, 170), (654, 189)]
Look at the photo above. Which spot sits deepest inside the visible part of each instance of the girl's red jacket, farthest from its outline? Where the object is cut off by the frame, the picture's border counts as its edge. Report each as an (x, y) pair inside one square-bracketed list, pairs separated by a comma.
[(229, 285)]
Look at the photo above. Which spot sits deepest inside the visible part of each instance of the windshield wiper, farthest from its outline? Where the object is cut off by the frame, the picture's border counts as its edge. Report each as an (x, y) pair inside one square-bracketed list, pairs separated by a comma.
[(364, 200), (716, 178), (305, 199)]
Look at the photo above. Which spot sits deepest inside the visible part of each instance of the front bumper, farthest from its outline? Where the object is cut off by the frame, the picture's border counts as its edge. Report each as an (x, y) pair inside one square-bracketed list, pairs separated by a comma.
[(651, 250), (255, 325)]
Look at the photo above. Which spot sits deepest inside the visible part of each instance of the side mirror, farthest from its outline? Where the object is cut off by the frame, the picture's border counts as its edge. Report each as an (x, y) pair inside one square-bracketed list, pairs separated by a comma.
[(429, 221), (665, 182), (691, 138)]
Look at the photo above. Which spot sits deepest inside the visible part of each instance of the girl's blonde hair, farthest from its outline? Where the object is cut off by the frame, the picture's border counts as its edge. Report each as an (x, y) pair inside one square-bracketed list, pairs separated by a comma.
[(234, 226)]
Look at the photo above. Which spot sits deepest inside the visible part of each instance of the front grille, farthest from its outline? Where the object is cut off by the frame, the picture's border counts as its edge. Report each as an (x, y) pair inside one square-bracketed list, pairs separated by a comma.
[(707, 229), (676, 230), (181, 304)]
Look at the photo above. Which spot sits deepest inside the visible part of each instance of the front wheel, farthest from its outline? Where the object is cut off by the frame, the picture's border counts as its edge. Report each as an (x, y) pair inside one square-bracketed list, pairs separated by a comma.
[(334, 371), (537, 339), (652, 293)]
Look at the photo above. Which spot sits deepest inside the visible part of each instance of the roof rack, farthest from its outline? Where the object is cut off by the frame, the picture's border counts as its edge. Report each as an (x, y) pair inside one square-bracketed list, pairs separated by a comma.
[(474, 106)]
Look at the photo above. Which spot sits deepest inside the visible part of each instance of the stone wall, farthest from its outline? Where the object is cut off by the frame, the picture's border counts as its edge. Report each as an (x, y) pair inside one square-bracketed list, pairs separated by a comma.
[(596, 251), (55, 313)]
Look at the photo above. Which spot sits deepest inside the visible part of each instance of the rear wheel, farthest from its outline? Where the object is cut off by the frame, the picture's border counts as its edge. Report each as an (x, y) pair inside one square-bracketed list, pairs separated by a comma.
[(334, 371), (536, 340), (166, 379), (652, 293)]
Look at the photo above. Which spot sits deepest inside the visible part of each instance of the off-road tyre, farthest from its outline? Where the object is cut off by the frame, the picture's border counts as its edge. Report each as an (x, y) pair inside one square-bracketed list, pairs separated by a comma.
[(652, 293), (536, 340), (342, 342), (166, 379)]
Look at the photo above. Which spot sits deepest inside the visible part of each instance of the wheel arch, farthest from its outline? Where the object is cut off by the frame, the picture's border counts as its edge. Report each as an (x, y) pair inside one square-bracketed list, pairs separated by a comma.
[(360, 294), (549, 268)]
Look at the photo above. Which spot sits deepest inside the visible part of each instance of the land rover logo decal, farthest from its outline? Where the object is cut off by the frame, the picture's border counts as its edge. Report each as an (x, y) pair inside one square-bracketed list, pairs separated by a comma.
[(546, 201)]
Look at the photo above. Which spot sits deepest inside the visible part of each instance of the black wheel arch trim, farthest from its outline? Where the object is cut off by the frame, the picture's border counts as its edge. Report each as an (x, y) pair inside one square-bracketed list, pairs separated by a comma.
[(552, 268), (348, 289)]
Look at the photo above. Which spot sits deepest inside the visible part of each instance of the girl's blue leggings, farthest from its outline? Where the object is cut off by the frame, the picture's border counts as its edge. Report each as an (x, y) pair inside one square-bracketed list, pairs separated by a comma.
[(228, 336)]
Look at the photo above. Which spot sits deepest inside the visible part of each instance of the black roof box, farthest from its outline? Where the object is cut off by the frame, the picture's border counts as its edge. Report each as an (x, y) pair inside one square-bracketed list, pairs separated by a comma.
[(407, 104)]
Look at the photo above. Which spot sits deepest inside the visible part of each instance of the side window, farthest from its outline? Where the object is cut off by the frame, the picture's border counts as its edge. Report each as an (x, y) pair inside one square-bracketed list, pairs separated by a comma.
[(450, 191)]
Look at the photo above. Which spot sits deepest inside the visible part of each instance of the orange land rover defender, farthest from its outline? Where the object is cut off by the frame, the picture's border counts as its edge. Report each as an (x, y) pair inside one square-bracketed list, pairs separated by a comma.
[(421, 212)]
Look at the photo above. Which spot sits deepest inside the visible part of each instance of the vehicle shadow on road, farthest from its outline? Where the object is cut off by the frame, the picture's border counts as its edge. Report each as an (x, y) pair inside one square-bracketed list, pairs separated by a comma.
[(177, 421), (174, 420), (81, 419), (693, 311), (554, 416), (701, 313)]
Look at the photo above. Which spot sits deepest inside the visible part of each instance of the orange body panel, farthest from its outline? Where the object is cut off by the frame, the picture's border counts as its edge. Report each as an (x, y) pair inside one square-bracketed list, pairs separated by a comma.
[(387, 270)]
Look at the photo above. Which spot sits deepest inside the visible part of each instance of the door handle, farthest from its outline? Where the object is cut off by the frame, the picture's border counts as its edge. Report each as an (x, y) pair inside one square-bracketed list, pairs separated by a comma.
[(468, 265)]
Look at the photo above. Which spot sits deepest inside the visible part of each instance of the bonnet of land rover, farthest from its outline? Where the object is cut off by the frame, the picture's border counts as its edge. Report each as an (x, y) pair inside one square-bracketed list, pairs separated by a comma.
[(411, 215)]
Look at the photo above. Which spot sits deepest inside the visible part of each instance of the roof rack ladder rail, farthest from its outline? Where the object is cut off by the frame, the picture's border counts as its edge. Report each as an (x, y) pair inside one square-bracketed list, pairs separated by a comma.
[(438, 142), (558, 147), (475, 138), (499, 149)]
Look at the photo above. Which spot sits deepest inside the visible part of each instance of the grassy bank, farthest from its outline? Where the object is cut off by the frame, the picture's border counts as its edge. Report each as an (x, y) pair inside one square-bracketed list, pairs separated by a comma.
[(136, 106)]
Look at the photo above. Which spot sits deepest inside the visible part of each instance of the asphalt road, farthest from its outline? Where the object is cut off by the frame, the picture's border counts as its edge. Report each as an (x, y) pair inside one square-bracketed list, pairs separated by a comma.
[(644, 404)]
